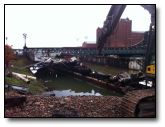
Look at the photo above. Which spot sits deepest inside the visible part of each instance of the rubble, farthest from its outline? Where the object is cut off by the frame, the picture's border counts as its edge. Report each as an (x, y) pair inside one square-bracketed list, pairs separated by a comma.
[(72, 106), (121, 83)]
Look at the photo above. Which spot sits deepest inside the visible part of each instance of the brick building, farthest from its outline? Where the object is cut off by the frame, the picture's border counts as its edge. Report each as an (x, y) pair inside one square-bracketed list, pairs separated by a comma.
[(89, 45), (123, 36)]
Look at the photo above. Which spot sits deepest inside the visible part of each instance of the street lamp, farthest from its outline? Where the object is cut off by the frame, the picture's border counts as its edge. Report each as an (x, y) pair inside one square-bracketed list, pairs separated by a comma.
[(6, 39), (24, 36)]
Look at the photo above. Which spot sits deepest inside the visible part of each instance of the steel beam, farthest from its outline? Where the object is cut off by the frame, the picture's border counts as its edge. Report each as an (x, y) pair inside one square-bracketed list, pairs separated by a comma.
[(109, 25)]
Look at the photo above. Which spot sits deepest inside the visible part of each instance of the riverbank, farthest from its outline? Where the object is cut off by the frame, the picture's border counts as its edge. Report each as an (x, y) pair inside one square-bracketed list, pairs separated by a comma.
[(71, 106), (19, 66)]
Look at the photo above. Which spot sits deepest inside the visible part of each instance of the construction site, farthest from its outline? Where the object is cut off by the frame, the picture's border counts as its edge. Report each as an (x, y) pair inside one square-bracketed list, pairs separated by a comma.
[(114, 77)]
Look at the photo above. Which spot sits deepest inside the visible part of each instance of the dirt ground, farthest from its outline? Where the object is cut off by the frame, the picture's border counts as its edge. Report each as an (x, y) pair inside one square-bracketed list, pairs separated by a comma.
[(72, 106)]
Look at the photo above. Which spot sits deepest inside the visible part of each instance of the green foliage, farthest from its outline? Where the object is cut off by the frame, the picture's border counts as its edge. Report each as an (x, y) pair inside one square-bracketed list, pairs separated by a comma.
[(19, 66), (20, 70), (14, 81), (35, 86)]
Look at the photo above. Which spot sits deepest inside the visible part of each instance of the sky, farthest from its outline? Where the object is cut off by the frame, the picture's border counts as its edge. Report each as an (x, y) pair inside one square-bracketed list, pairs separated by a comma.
[(63, 25)]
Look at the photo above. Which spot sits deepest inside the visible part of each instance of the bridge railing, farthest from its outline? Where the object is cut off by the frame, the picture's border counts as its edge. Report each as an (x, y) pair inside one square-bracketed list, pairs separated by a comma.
[(87, 51)]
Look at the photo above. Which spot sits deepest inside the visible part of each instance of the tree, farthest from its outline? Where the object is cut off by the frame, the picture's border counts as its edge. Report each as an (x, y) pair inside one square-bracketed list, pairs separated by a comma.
[(9, 55)]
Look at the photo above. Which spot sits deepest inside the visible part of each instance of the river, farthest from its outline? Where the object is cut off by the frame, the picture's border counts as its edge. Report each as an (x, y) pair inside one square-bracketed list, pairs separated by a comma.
[(67, 85), (108, 69)]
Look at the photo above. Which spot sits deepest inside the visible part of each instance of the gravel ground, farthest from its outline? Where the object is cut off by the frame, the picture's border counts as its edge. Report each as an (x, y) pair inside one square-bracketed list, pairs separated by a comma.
[(72, 106)]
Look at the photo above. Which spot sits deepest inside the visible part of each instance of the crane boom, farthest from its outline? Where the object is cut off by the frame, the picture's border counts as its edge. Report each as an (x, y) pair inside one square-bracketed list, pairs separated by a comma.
[(109, 25), (113, 18)]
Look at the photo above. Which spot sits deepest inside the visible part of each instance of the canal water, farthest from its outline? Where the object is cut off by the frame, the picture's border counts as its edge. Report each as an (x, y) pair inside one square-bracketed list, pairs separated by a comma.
[(70, 86), (67, 86), (108, 69)]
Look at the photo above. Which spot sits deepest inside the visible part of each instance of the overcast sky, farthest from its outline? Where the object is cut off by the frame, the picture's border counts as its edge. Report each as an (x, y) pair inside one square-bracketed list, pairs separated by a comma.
[(63, 25)]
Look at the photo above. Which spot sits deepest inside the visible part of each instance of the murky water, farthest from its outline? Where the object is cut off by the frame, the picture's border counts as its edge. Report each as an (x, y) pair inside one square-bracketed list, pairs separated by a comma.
[(67, 85), (107, 69)]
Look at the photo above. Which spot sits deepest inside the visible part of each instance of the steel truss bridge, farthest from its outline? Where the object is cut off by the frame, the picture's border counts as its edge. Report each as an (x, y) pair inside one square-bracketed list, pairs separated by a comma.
[(76, 51), (135, 50)]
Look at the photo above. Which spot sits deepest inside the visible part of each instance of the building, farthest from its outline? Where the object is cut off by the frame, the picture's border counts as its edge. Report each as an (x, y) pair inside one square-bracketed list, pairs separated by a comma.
[(89, 45), (123, 36)]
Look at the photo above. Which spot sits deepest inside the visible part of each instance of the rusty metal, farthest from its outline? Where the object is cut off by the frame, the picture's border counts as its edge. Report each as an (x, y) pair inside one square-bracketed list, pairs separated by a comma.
[(139, 103)]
